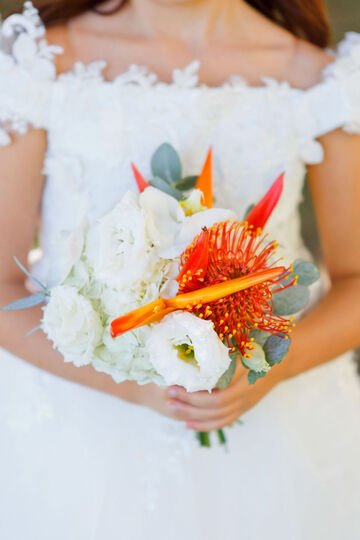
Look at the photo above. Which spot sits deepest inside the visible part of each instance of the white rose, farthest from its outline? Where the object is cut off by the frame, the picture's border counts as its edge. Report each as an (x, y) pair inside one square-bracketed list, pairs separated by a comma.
[(178, 334), (72, 324), (257, 362), (164, 217), (119, 248)]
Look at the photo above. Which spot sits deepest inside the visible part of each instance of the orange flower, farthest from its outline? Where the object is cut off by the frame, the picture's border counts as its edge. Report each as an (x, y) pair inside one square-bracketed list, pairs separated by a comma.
[(205, 182), (228, 275)]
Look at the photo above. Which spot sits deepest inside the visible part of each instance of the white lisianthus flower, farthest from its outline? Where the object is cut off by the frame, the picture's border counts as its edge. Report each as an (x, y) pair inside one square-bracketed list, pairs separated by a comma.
[(192, 227), (72, 324), (186, 351), (257, 362), (119, 248)]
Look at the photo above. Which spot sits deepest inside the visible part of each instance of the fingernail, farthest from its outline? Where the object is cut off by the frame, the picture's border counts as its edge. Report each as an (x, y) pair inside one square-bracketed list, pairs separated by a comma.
[(172, 392)]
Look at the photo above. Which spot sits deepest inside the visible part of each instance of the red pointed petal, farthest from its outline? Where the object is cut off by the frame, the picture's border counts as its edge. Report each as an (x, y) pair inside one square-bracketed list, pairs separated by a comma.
[(140, 180), (196, 265), (260, 214), (205, 182)]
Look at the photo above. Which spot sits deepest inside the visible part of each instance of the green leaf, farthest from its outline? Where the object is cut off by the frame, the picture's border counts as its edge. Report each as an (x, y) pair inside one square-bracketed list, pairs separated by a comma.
[(32, 278), (226, 377), (159, 183), (259, 336), (185, 184), (276, 348), (221, 435), (33, 331), (291, 300), (307, 271), (253, 376), (166, 164), (248, 210), (24, 303)]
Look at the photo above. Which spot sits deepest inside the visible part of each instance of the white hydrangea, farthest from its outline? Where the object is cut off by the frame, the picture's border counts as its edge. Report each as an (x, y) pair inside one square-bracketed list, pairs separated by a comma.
[(210, 357), (73, 325), (126, 358)]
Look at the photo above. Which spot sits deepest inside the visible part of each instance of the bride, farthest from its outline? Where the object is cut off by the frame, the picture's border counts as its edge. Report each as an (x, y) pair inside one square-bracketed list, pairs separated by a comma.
[(84, 458)]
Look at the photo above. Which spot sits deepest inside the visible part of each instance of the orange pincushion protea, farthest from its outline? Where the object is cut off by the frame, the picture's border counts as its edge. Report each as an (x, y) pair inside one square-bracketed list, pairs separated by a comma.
[(225, 252)]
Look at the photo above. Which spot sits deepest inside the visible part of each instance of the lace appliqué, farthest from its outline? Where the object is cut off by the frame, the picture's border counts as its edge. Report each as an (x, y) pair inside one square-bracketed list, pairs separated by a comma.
[(23, 50)]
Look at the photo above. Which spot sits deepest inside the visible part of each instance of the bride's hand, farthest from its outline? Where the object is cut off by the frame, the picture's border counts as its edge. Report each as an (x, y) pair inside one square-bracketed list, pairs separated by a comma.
[(206, 412)]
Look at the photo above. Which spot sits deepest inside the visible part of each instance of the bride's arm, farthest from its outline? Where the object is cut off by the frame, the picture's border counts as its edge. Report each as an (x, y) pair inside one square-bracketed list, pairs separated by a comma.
[(21, 184), (333, 326)]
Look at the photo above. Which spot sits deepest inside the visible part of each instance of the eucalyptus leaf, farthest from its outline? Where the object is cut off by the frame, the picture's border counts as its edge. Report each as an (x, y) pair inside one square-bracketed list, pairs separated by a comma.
[(166, 164), (259, 336), (253, 376), (32, 278), (24, 303), (33, 331), (276, 348), (226, 377), (161, 184), (291, 300), (307, 271), (187, 183), (248, 210)]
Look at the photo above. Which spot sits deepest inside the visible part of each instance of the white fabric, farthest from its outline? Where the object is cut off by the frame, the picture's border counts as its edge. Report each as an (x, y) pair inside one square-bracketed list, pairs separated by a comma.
[(78, 464)]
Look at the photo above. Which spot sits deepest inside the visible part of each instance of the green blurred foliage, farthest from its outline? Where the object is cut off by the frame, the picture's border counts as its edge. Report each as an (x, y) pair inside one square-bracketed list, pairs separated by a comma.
[(345, 14)]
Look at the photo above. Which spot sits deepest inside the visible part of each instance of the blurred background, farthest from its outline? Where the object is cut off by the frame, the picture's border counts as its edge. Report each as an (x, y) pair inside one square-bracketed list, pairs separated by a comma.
[(345, 14)]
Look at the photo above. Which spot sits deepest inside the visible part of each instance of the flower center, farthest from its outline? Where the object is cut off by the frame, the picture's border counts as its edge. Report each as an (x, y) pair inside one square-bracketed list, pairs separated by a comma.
[(186, 352)]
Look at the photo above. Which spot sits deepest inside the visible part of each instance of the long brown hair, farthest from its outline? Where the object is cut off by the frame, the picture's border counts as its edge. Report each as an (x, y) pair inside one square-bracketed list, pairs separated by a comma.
[(306, 19)]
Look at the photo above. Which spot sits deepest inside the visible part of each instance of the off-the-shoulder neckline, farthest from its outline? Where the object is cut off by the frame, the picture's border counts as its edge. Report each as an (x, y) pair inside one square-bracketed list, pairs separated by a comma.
[(186, 78), (30, 24)]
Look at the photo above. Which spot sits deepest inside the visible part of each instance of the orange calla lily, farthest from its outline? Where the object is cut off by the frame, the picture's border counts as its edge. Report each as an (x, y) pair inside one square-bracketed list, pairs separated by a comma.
[(261, 213), (205, 182), (140, 180), (159, 308)]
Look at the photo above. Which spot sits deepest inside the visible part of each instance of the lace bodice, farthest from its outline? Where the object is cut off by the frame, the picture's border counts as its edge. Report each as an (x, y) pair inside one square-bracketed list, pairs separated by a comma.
[(96, 128)]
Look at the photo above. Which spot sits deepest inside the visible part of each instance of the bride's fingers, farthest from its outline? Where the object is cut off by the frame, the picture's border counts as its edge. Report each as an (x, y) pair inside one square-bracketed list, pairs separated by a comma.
[(211, 425), (184, 411), (216, 400)]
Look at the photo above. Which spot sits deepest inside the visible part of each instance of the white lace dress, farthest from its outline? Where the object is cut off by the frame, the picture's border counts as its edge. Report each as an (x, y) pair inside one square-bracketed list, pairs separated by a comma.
[(76, 464)]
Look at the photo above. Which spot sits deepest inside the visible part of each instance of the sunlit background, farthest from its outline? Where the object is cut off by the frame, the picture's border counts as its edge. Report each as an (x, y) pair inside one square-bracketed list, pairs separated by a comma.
[(345, 14)]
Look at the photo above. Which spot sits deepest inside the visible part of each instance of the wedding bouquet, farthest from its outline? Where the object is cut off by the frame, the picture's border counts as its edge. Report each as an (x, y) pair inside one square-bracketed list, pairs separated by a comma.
[(166, 289)]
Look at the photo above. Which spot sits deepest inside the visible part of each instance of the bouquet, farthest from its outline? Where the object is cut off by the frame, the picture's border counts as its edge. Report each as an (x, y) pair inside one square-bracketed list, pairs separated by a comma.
[(165, 288)]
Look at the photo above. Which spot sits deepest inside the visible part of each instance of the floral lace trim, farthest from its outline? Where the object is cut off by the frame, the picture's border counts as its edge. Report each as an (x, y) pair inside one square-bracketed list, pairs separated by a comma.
[(23, 36)]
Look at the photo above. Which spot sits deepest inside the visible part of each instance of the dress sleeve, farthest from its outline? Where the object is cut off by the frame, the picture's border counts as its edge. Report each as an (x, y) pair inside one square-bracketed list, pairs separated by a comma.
[(345, 71), (332, 104), (27, 73)]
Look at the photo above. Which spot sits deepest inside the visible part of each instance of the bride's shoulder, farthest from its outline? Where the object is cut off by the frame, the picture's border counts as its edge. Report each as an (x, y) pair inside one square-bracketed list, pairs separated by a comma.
[(58, 35), (307, 65)]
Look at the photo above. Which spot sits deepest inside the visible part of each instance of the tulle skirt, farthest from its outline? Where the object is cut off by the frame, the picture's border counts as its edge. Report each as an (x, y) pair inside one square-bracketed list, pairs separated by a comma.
[(77, 464)]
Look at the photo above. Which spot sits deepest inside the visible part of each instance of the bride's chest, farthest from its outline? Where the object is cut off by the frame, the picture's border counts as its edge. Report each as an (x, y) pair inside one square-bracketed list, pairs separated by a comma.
[(96, 132)]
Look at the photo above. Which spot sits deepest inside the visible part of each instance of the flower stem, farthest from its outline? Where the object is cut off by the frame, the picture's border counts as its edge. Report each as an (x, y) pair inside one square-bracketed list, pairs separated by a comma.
[(204, 438), (221, 435)]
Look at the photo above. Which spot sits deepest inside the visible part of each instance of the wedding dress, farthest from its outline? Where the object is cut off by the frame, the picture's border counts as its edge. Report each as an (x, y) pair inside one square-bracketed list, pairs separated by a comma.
[(77, 464)]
